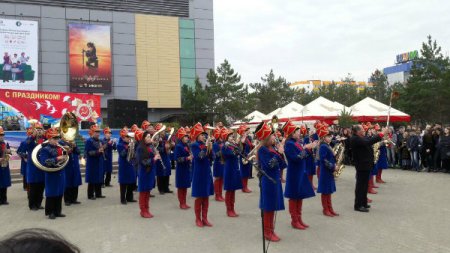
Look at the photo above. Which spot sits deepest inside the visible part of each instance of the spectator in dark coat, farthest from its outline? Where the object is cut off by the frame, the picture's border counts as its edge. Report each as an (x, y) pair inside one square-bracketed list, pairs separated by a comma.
[(445, 150)]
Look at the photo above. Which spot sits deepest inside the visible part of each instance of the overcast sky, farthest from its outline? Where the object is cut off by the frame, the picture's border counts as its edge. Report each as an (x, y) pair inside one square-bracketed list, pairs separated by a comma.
[(318, 39)]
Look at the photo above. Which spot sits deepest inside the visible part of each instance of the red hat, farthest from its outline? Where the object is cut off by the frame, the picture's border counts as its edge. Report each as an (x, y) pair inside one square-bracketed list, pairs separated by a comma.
[(318, 124), (187, 129), (241, 130), (2, 132), (145, 124), (134, 127), (205, 127), (216, 133), (138, 134), (289, 128), (263, 131), (196, 131), (158, 126), (303, 130), (29, 131), (124, 132), (322, 132), (224, 133), (51, 133), (93, 129), (106, 130), (181, 133)]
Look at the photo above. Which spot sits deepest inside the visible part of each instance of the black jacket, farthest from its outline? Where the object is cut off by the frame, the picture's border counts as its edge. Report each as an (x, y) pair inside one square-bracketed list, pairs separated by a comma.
[(363, 151)]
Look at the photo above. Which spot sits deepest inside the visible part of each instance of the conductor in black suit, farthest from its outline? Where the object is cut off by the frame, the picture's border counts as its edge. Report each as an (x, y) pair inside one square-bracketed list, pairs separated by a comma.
[(364, 162)]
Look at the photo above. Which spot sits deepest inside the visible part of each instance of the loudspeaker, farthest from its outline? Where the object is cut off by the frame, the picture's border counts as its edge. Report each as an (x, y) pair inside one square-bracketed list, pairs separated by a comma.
[(123, 112)]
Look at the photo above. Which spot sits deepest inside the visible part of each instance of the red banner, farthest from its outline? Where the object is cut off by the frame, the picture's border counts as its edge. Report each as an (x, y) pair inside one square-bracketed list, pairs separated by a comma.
[(48, 107)]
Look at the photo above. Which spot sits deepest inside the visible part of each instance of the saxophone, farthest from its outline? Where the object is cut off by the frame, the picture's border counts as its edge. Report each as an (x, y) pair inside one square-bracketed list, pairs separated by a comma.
[(131, 147), (338, 151)]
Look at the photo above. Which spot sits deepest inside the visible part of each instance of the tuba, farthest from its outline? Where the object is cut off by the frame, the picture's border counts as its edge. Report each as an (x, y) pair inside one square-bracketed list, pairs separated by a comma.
[(68, 127), (338, 151), (131, 147)]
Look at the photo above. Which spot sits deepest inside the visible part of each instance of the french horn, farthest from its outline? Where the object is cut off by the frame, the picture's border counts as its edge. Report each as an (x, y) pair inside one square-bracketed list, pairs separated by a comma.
[(68, 127)]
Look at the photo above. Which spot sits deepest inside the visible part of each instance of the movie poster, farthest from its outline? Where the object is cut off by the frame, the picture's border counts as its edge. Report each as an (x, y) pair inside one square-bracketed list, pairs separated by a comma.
[(90, 58), (17, 107), (19, 50)]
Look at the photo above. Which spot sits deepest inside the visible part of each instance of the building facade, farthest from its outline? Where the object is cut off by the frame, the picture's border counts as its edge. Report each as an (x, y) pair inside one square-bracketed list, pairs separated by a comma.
[(314, 85), (156, 46), (400, 72)]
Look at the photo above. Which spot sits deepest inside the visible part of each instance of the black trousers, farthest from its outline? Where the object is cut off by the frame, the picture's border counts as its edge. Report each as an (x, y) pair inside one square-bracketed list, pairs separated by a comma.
[(107, 178), (36, 195), (53, 205), (94, 189), (126, 192), (362, 184), (3, 195), (25, 185), (71, 195), (163, 183)]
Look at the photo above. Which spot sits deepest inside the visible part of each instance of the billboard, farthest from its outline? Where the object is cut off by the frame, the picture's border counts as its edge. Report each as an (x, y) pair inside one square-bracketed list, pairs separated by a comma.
[(17, 107), (90, 58), (19, 49)]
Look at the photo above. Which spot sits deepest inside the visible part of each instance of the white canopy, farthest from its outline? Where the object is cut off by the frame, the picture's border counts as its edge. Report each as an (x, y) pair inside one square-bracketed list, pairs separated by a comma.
[(371, 110), (254, 117)]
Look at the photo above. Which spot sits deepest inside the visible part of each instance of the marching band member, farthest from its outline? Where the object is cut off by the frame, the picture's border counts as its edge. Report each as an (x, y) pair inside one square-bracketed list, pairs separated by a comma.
[(382, 163), (183, 159), (107, 164), (127, 173), (218, 165), (5, 174), (231, 174), (35, 176), (310, 159), (50, 155), (315, 137), (372, 132), (247, 146), (72, 174), (280, 141), (327, 164), (146, 170), (298, 186), (95, 157), (22, 153), (271, 190), (202, 184), (163, 170)]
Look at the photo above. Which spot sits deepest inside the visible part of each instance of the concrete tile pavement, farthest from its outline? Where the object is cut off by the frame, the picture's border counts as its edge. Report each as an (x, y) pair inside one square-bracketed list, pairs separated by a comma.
[(411, 213)]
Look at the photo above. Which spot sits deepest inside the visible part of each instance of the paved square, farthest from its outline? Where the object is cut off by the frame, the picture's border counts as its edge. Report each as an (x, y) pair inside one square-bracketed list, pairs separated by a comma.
[(411, 213)]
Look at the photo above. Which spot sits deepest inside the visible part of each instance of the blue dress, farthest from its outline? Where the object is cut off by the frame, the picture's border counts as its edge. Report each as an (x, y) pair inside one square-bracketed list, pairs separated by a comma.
[(146, 169), (202, 182), (231, 174), (217, 155), (94, 162), (382, 159), (22, 152), (108, 163), (310, 164), (272, 193), (5, 174), (34, 175), (166, 170), (297, 182), (127, 173), (183, 169), (327, 163), (246, 169), (72, 169), (55, 182)]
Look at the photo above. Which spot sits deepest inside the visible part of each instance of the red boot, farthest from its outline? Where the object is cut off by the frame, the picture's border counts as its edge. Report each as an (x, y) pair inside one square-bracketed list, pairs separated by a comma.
[(218, 189), (198, 210), (294, 215), (369, 200), (330, 206), (318, 172), (205, 206), (185, 197), (299, 213), (232, 201), (245, 188), (379, 180), (325, 207), (144, 203), (182, 192), (230, 204), (269, 233), (370, 187)]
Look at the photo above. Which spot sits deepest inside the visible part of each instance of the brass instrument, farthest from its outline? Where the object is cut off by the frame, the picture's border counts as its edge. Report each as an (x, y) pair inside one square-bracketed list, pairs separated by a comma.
[(376, 152), (6, 155), (68, 127), (155, 142), (338, 151), (208, 141), (251, 155)]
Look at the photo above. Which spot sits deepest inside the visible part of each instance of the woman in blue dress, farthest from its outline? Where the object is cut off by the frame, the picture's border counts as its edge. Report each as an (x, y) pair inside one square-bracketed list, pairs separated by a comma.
[(127, 173), (183, 158)]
